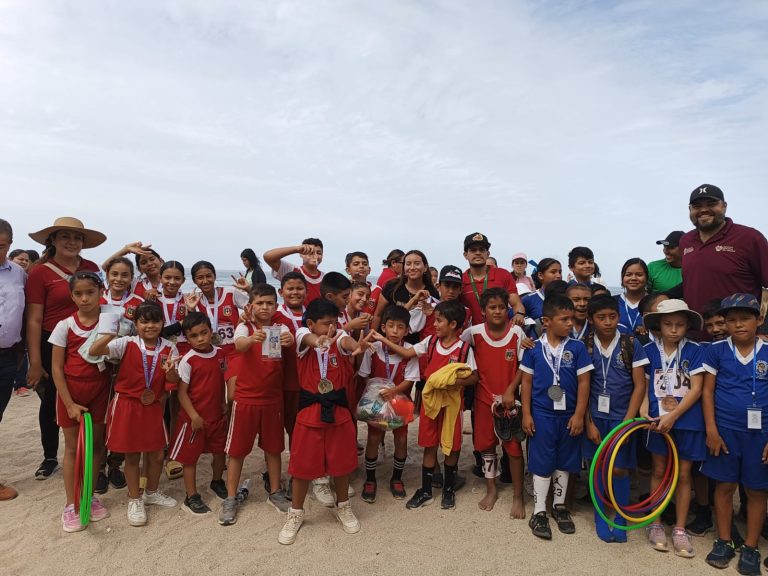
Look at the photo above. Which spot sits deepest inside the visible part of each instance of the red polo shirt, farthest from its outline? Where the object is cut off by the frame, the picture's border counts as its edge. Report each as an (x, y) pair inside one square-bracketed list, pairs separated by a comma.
[(497, 278), (733, 260)]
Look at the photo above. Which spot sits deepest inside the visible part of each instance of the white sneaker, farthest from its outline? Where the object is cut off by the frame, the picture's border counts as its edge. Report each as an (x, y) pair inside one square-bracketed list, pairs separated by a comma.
[(137, 514), (158, 499), (291, 527), (321, 490), (349, 521)]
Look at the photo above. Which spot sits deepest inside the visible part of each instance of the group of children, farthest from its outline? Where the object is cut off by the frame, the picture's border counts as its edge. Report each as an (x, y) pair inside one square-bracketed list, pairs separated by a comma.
[(233, 364)]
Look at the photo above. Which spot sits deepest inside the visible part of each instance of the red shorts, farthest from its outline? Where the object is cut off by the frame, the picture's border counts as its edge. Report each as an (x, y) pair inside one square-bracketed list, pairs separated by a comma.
[(397, 432), (329, 450), (133, 427), (248, 421), (93, 394), (430, 430), (290, 409), (187, 445), (485, 439)]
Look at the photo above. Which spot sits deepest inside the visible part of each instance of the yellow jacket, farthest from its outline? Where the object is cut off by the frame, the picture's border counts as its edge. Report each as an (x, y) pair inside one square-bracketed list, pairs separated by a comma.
[(440, 392)]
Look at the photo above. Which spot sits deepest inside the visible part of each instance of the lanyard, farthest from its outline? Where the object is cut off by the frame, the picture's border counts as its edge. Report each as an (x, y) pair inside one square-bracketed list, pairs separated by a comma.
[(172, 318), (111, 301), (580, 335), (632, 321), (387, 365), (666, 369), (322, 362), (289, 314), (474, 284), (553, 359), (213, 314), (149, 373), (754, 370)]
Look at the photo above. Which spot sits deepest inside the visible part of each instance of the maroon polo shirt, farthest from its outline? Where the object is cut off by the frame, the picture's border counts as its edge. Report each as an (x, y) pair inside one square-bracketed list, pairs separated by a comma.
[(497, 278), (733, 260)]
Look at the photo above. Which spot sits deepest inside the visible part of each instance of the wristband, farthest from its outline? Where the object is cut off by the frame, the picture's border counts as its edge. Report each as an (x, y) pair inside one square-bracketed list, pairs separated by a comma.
[(521, 313)]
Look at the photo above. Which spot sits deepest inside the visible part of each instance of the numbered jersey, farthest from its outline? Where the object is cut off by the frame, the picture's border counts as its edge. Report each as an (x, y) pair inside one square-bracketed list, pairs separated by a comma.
[(224, 313)]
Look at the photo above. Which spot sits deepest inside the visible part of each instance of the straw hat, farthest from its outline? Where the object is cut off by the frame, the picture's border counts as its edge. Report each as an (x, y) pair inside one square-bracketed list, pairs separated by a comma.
[(91, 238), (652, 319)]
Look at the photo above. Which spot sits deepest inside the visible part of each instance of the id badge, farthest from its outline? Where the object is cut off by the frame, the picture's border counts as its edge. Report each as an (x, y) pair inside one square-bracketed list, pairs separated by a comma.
[(604, 403), (754, 419), (559, 404)]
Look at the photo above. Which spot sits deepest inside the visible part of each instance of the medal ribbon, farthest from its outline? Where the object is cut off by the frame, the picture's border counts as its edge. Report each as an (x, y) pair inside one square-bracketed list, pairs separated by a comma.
[(111, 301), (754, 371), (288, 314), (553, 359), (606, 365), (213, 315), (632, 321), (149, 374), (172, 319), (322, 362), (580, 335), (666, 369), (474, 284)]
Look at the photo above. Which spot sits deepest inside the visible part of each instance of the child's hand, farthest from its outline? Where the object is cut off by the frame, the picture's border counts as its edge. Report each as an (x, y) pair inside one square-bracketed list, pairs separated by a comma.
[(575, 425), (240, 282), (376, 336), (197, 422), (151, 294), (191, 300), (75, 410), (641, 330), (716, 444), (259, 335), (169, 364), (363, 344), (527, 343), (138, 248), (593, 433), (519, 319), (665, 423), (528, 425), (426, 308), (286, 339), (387, 394), (358, 323), (508, 398)]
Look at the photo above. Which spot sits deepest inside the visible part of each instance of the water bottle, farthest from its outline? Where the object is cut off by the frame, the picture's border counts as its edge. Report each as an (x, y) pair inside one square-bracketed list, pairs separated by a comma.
[(242, 492)]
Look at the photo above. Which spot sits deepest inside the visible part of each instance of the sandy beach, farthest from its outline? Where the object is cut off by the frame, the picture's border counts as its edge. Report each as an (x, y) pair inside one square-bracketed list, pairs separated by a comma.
[(393, 540)]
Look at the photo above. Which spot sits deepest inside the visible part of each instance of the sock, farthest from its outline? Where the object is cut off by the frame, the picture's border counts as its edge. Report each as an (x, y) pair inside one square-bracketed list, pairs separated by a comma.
[(397, 468), (540, 491), (426, 479), (559, 486), (621, 491), (478, 458), (490, 465), (450, 476), (370, 469)]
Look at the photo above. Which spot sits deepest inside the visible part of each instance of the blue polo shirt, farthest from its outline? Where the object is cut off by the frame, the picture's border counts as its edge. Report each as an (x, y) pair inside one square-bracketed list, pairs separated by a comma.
[(613, 378)]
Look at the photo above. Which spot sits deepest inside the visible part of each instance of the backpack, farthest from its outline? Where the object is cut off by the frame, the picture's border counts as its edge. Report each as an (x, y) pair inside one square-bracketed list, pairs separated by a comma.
[(626, 344)]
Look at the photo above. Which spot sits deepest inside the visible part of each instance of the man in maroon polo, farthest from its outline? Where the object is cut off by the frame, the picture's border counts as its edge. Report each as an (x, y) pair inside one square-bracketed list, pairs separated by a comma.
[(479, 277), (720, 258)]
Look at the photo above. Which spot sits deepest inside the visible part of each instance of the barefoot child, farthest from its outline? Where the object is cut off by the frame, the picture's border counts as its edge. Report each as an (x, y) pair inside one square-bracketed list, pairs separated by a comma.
[(82, 385), (135, 414), (497, 347), (380, 362), (555, 396), (201, 426), (257, 401)]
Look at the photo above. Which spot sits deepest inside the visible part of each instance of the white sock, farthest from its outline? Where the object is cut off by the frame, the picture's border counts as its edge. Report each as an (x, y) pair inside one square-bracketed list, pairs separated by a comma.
[(296, 510), (559, 486), (540, 491)]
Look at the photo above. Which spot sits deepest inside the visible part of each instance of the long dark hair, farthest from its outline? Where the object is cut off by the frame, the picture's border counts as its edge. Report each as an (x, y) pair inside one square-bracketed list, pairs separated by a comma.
[(258, 276), (426, 277)]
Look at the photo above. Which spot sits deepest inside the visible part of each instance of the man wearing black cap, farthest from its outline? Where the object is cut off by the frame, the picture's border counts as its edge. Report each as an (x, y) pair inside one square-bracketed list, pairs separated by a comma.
[(666, 273), (719, 257), (479, 277)]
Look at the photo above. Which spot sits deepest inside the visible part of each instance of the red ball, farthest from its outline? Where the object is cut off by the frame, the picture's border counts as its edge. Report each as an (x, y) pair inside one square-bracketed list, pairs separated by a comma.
[(403, 407)]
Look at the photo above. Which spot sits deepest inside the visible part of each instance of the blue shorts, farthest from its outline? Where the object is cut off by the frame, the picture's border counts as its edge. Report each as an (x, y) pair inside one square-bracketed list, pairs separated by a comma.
[(627, 456), (552, 447), (743, 463), (691, 444)]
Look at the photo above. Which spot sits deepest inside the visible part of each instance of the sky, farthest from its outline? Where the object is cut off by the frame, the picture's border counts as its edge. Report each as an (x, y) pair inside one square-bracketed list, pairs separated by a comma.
[(208, 127)]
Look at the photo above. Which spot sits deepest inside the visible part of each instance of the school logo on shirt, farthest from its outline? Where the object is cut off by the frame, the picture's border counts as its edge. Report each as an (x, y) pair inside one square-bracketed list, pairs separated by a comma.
[(620, 363), (130, 311), (762, 369), (509, 355), (687, 251), (567, 358), (223, 364), (227, 310), (684, 367), (334, 361), (721, 248)]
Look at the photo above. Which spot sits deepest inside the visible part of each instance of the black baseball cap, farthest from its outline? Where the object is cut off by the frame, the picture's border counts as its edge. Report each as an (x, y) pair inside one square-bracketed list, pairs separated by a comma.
[(450, 273), (672, 240), (476, 238), (707, 191)]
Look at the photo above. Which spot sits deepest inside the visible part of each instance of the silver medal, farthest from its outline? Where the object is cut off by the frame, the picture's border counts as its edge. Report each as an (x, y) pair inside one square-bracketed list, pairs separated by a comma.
[(555, 393)]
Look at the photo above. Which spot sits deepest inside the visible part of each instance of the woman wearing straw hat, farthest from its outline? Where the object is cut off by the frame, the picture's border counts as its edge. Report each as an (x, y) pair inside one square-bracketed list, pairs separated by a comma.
[(48, 302)]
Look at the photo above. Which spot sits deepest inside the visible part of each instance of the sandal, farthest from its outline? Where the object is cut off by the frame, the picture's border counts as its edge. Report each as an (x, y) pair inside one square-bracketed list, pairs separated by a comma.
[(174, 469)]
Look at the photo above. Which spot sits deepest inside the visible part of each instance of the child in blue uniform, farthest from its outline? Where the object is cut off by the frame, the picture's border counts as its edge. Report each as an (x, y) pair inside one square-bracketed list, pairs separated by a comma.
[(615, 395), (735, 403), (675, 375), (555, 394)]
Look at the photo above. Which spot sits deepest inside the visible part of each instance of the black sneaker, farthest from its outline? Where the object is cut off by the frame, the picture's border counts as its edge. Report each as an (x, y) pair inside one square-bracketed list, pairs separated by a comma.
[(749, 561), (448, 499), (437, 478), (539, 525), (369, 492), (116, 478), (102, 484), (563, 518), (219, 487), (420, 498), (701, 524), (459, 482), (195, 505), (397, 488), (46, 469), (721, 554)]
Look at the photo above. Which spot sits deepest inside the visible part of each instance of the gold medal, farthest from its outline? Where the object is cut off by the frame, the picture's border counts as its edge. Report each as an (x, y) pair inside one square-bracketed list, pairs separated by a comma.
[(147, 397), (669, 403), (325, 386)]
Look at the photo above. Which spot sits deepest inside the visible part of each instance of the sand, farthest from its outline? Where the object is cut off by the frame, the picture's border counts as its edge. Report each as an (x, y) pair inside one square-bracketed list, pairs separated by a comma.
[(393, 540)]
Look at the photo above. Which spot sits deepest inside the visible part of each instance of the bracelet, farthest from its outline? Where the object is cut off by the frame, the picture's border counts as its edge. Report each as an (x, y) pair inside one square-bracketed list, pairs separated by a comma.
[(521, 313)]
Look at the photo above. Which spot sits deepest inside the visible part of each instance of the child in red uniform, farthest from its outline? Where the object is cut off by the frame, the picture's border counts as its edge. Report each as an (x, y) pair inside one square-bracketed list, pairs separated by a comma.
[(324, 436), (172, 301), (135, 414), (379, 362), (311, 252), (257, 407), (81, 386), (497, 344), (358, 317), (443, 348), (201, 426)]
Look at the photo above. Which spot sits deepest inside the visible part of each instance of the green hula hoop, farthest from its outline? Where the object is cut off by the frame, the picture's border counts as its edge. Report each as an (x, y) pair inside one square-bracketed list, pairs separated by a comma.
[(87, 491)]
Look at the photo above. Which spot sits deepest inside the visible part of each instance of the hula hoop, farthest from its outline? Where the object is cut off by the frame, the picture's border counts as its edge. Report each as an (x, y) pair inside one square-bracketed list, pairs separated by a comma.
[(601, 478), (86, 468)]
